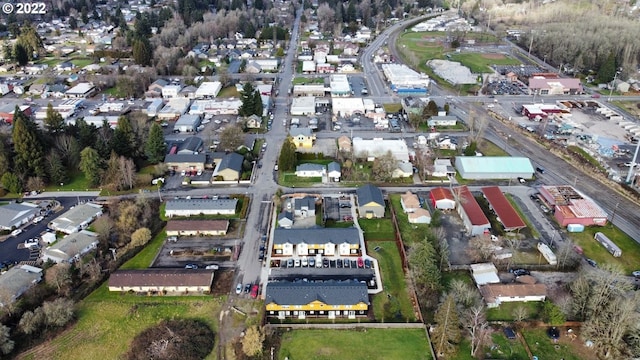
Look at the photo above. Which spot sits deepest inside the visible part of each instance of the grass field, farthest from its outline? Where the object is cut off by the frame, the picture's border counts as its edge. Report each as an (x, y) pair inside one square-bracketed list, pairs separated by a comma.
[(487, 148), (541, 346), (308, 81), (377, 229), (504, 348), (145, 257), (107, 322), (81, 62), (392, 107), (388, 344), (290, 179), (229, 91), (480, 64), (410, 233), (592, 249), (77, 182), (393, 282), (504, 312)]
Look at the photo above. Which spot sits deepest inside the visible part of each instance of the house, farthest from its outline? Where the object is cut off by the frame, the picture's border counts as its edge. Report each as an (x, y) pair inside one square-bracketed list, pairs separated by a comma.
[(197, 227), (442, 199), (17, 280), (443, 168), (71, 248), (409, 202), (194, 207), (310, 170), (302, 137), (285, 219), (230, 168), (496, 294), (334, 171), (14, 215), (180, 162), (370, 149), (473, 217), (155, 89), (82, 90), (77, 218), (304, 207), (344, 144), (484, 273), (254, 122), (404, 169), (253, 67), (188, 92), (187, 123), (370, 202), (329, 299), (312, 241), (420, 216), (37, 89), (195, 281), (442, 121), (190, 145)]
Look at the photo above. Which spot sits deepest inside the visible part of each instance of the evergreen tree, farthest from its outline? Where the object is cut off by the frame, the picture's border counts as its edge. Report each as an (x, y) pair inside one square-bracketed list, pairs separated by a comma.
[(55, 168), (91, 165), (607, 70), (123, 140), (446, 333), (28, 148), (53, 122), (87, 134), (142, 52), (288, 157), (12, 183), (258, 107), (248, 100), (20, 54), (155, 147)]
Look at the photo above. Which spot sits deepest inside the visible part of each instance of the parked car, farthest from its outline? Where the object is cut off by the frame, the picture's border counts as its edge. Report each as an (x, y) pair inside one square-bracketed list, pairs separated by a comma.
[(346, 263), (38, 219), (339, 263), (296, 263), (212, 267), (247, 288), (312, 262), (191, 266), (522, 180), (325, 262), (290, 263), (31, 243), (305, 262), (636, 274), (239, 289), (520, 272), (367, 264), (16, 232), (592, 262), (360, 263), (254, 291)]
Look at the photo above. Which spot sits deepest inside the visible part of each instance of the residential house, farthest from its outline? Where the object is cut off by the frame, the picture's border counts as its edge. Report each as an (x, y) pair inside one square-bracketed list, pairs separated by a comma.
[(420, 216), (71, 248), (303, 138), (370, 202), (190, 145), (230, 168), (180, 162), (442, 120), (403, 170), (254, 122), (285, 219), (304, 207), (194, 207), (267, 64), (155, 89), (194, 281), (37, 89), (313, 241), (328, 299), (310, 170), (344, 144), (188, 92), (442, 199), (77, 218), (496, 294), (334, 171), (14, 215), (252, 67), (409, 202), (197, 227), (16, 281), (443, 168), (5, 89)]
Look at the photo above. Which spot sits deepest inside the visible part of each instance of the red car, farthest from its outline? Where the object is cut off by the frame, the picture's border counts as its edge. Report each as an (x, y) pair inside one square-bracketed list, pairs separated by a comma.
[(360, 263), (254, 291)]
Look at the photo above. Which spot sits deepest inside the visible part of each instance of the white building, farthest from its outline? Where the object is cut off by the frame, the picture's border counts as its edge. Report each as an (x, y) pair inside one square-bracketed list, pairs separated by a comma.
[(484, 273), (378, 147), (154, 107), (171, 91), (77, 218), (310, 170), (192, 207), (308, 66), (82, 90), (208, 89), (401, 76), (215, 107), (346, 107), (304, 105), (174, 108), (98, 120), (111, 107), (267, 64), (14, 215), (71, 248), (339, 84)]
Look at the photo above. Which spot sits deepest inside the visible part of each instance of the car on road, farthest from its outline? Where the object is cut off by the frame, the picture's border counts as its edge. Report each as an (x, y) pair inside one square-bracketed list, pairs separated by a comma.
[(261, 255), (247, 288), (544, 209), (31, 243), (239, 288), (592, 262), (38, 219), (212, 267), (191, 266), (254, 291), (16, 232)]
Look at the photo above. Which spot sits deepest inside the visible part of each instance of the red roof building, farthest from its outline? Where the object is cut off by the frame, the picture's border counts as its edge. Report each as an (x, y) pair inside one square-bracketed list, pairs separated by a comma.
[(442, 198), (543, 85), (472, 215), (506, 214), (571, 207)]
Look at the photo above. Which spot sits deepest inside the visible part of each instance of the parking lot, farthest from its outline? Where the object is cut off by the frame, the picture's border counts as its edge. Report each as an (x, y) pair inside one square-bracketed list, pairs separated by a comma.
[(338, 209), (201, 251)]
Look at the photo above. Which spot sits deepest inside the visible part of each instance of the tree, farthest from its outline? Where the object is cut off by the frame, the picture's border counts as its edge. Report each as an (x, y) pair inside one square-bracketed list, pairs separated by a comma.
[(415, 120), (477, 124), (142, 52), (58, 312), (607, 70), (91, 165), (92, 269), (59, 276), (123, 141), (29, 155), (35, 183), (470, 150), (6, 344), (140, 237), (466, 296), (231, 138), (53, 122), (11, 182), (252, 341), (127, 220), (383, 167), (73, 23), (248, 100), (430, 110), (258, 107), (446, 332), (31, 321), (55, 168), (9, 303), (288, 157), (20, 54), (474, 320), (155, 147), (520, 313), (103, 226), (480, 248), (425, 272)]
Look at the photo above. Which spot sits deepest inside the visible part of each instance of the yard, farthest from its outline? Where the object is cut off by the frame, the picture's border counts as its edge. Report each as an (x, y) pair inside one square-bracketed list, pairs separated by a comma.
[(77, 182), (395, 294), (388, 344), (81, 62), (543, 347), (505, 311), (377, 229), (145, 257), (229, 91), (480, 63), (291, 180), (410, 233), (503, 348), (592, 249)]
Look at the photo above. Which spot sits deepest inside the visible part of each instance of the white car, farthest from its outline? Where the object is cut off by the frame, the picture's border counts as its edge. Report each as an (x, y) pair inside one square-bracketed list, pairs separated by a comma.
[(217, 121), (16, 232), (205, 121), (29, 243), (239, 289), (38, 219)]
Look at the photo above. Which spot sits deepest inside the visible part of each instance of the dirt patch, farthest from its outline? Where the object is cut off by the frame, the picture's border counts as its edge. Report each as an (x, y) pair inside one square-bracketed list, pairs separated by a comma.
[(493, 56), (222, 282)]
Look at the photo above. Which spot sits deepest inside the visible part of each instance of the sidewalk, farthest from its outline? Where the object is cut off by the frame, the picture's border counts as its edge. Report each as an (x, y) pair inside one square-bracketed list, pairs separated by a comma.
[(54, 194)]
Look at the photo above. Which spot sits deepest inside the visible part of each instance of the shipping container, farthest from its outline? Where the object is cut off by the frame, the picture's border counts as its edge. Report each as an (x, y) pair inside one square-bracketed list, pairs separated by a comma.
[(575, 228)]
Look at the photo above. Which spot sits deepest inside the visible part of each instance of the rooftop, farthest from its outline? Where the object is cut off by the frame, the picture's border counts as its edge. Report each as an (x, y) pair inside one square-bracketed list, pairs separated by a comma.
[(161, 277), (197, 225), (196, 204), (470, 206), (328, 292), (503, 208), (368, 194), (316, 235)]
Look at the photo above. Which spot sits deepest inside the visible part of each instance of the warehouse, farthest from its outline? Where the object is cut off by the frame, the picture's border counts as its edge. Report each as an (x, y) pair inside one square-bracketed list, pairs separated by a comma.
[(208, 90), (316, 90), (505, 213), (187, 123), (304, 105), (494, 167), (195, 207), (472, 216), (216, 107), (339, 85), (378, 147), (572, 207), (346, 107), (173, 109), (402, 77)]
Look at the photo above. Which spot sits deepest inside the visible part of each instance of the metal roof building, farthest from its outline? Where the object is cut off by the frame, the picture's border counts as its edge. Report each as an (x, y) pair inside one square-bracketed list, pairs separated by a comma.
[(494, 167), (188, 207), (506, 214), (472, 215), (76, 219)]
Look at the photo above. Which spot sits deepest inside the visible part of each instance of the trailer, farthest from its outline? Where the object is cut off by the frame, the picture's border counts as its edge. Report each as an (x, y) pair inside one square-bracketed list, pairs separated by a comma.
[(608, 244), (547, 253)]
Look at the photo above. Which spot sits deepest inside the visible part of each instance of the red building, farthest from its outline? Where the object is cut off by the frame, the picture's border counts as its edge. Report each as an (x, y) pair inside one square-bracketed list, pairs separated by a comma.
[(442, 198), (7, 111), (571, 207), (506, 214)]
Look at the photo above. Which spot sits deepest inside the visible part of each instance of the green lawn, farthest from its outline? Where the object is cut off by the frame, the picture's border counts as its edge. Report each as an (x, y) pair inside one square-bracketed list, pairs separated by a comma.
[(487, 148), (145, 257), (290, 179), (506, 349), (393, 282), (107, 322), (392, 107), (307, 81), (504, 312), (479, 63), (410, 233), (592, 249), (377, 229), (229, 91), (388, 344), (81, 62), (449, 276), (77, 182), (544, 348)]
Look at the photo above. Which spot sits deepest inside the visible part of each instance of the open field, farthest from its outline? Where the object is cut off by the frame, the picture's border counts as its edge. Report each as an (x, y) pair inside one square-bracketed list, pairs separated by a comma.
[(504, 348), (480, 63), (76, 182), (145, 257), (543, 347), (592, 249), (394, 284), (632, 107), (377, 229), (388, 344), (108, 322), (505, 311)]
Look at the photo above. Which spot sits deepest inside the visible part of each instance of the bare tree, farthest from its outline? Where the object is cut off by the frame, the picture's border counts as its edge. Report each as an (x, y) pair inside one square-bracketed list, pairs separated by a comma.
[(128, 172), (520, 313), (231, 138), (466, 295), (326, 16), (59, 276), (475, 321), (252, 341), (384, 166), (92, 269), (140, 237), (7, 302), (31, 321), (477, 125), (480, 248)]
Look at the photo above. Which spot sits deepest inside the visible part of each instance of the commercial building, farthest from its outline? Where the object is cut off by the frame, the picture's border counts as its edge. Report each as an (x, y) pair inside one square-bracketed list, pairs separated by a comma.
[(174, 109), (313, 241), (215, 107), (193, 281), (328, 299), (545, 85), (346, 107), (76, 219), (82, 90), (404, 79), (14, 215), (71, 248), (339, 84), (494, 167), (208, 90), (197, 227), (171, 91), (572, 207), (193, 207), (475, 221), (370, 149), (315, 90), (187, 123), (303, 105), (506, 214)]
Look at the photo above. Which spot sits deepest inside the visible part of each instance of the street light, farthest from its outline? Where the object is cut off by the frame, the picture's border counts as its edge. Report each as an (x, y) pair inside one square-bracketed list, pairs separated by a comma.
[(612, 85)]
